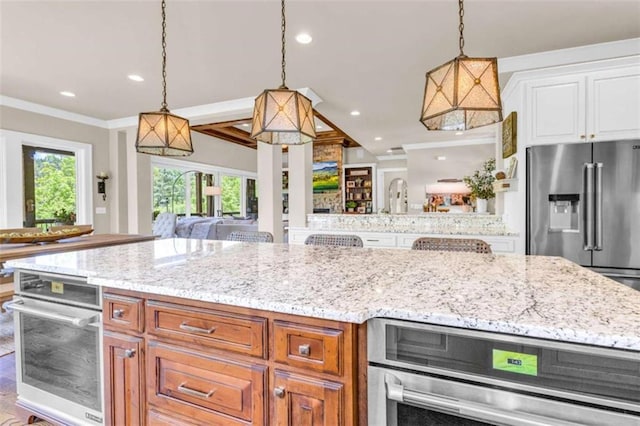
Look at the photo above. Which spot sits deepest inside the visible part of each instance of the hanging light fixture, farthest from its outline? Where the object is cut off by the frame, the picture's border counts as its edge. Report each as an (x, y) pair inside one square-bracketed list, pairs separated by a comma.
[(160, 132), (283, 116), (463, 93)]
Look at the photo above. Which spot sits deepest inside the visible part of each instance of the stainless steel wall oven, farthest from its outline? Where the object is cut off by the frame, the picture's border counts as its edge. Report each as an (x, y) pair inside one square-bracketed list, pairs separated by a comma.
[(58, 336), (421, 375)]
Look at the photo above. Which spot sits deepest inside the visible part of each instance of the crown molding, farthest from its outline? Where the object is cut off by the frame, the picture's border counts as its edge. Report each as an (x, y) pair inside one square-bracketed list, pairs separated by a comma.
[(52, 112), (572, 55), (225, 108), (449, 144)]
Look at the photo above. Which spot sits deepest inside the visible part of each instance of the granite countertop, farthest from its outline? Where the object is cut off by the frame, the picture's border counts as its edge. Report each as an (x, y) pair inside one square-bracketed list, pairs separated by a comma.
[(544, 297), (425, 223)]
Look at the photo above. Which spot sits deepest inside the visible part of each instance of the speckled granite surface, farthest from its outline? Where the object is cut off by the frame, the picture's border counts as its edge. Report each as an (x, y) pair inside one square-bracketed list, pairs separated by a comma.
[(429, 223), (546, 297)]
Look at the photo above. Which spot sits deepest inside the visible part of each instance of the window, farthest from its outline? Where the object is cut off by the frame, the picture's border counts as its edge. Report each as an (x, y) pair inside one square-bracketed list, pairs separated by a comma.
[(231, 195), (172, 187), (49, 186)]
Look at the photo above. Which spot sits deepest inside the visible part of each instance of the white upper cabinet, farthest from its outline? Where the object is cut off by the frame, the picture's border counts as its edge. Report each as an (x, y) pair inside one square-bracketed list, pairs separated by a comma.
[(613, 104), (594, 106)]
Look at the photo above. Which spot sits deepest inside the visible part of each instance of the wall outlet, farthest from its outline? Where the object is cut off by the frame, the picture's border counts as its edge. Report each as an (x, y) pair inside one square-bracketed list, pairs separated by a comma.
[(101, 210)]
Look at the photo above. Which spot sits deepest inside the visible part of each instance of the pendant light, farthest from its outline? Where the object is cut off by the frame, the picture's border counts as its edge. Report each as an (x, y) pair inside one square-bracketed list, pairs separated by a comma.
[(282, 116), (463, 93), (160, 132)]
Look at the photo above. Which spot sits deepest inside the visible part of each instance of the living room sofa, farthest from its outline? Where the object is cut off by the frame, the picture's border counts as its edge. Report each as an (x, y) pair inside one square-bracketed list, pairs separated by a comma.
[(212, 228)]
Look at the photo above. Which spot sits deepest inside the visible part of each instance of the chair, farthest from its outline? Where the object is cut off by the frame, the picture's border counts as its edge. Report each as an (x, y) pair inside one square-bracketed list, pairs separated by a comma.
[(165, 225), (250, 236), (451, 244), (333, 240)]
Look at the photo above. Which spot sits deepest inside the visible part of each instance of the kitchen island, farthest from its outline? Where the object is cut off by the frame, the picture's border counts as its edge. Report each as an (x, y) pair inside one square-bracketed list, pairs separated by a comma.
[(290, 301)]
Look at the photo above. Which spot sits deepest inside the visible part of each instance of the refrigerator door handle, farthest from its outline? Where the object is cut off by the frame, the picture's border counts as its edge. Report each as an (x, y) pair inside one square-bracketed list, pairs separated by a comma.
[(589, 210), (598, 206)]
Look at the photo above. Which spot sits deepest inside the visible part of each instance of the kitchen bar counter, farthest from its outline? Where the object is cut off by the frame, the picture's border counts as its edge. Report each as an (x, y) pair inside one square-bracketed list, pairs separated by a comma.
[(426, 223), (543, 297)]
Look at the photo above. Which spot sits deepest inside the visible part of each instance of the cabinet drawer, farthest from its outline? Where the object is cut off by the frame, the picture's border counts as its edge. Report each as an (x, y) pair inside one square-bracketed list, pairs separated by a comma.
[(313, 348), (158, 419), (212, 390), (381, 240), (123, 313), (217, 329)]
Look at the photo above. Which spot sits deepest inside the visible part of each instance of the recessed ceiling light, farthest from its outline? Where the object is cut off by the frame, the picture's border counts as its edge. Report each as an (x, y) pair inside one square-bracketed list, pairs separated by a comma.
[(245, 124), (68, 94), (389, 150), (135, 77), (318, 127), (377, 138), (304, 38), (441, 157), (459, 133), (355, 113)]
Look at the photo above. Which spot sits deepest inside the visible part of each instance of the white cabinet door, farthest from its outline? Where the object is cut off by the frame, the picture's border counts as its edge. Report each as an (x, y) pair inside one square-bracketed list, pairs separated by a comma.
[(613, 104), (556, 110)]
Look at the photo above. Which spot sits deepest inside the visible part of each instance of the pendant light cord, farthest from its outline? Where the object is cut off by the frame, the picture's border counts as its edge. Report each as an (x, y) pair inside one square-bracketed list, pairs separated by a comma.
[(284, 63), (164, 58), (461, 26)]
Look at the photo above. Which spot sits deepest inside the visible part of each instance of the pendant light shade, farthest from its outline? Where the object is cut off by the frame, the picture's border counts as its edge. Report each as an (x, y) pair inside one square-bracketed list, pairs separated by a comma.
[(165, 134), (463, 93), (282, 116), (160, 132)]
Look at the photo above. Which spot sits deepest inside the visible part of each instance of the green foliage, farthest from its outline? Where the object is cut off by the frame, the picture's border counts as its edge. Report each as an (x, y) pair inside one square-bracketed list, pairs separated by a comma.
[(350, 204), (55, 185), (481, 183), (231, 192)]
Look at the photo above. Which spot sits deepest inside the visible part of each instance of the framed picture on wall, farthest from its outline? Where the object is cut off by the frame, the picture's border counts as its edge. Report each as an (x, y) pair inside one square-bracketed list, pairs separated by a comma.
[(509, 135)]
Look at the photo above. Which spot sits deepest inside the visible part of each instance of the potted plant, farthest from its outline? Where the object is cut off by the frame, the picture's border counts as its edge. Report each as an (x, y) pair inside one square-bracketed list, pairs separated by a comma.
[(481, 184), (351, 205), (64, 216)]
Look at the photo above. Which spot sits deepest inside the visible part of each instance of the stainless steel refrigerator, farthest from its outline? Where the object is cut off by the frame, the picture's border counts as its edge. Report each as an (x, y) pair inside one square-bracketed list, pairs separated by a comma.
[(583, 203)]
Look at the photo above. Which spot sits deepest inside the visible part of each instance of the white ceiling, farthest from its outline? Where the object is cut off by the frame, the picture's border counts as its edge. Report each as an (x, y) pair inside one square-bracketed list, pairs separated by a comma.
[(365, 55)]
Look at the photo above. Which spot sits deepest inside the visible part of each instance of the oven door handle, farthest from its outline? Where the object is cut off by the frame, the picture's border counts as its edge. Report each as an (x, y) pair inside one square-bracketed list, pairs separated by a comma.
[(397, 392), (18, 305)]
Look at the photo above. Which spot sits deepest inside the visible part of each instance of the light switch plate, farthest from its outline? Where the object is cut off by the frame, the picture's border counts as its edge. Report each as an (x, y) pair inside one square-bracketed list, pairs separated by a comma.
[(101, 210)]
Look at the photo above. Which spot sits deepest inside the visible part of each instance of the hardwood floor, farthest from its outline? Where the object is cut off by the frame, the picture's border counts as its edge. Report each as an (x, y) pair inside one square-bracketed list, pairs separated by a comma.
[(7, 388), (8, 412)]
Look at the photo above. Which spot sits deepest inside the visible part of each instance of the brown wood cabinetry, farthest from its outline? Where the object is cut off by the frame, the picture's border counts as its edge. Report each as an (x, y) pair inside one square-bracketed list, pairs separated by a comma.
[(205, 363), (124, 390)]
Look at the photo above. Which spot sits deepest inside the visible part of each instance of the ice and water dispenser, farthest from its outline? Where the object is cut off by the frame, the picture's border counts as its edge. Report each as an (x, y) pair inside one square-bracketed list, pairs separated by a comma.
[(564, 212)]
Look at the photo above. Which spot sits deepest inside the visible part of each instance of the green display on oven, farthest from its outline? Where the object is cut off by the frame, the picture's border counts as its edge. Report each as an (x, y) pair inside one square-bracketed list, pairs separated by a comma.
[(515, 362)]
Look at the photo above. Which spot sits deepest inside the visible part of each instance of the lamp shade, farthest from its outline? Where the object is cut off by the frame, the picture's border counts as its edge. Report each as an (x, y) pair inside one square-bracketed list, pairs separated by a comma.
[(210, 191), (162, 133), (283, 116), (462, 94)]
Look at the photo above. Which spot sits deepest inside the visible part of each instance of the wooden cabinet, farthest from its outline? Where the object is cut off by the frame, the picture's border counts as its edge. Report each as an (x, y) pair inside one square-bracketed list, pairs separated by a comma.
[(359, 189), (594, 106), (173, 361), (307, 401), (124, 377)]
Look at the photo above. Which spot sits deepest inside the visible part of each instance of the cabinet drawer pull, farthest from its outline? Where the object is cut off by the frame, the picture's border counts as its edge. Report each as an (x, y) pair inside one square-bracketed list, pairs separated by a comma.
[(130, 353), (373, 241), (279, 392), (582, 137), (192, 392), (118, 313), (186, 327), (592, 136), (304, 350)]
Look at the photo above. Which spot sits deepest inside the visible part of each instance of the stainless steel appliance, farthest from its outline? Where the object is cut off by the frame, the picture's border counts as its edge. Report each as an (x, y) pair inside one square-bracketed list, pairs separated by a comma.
[(583, 203), (58, 335), (421, 374)]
